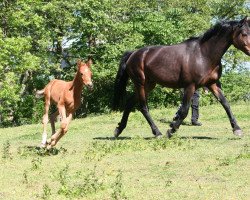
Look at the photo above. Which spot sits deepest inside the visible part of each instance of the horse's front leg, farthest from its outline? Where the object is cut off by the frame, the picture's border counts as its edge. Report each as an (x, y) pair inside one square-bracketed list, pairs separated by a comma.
[(217, 92), (183, 110)]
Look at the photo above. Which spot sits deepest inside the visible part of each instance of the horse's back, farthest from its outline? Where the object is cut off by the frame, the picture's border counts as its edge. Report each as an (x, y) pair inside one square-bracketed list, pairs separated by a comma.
[(161, 64)]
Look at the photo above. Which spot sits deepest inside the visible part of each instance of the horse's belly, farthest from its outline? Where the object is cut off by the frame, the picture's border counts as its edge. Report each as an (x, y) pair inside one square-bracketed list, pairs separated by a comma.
[(166, 78)]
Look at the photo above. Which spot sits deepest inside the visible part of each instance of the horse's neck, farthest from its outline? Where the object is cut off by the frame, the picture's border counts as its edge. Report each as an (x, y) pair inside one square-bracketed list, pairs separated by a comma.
[(215, 47), (77, 84)]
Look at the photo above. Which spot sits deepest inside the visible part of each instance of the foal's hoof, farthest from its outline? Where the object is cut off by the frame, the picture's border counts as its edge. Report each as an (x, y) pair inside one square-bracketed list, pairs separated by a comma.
[(43, 145), (49, 147), (238, 133), (48, 141)]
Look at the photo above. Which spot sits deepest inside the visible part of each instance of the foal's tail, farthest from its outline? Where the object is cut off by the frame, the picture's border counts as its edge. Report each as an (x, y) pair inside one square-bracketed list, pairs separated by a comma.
[(121, 80), (39, 93)]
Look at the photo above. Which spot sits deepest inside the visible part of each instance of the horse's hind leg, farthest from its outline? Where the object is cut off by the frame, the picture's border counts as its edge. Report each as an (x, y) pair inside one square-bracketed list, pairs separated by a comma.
[(45, 120), (183, 110), (128, 107), (142, 97)]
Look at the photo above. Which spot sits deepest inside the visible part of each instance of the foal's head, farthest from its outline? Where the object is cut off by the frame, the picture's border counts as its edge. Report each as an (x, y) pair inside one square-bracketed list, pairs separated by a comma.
[(84, 71), (241, 36)]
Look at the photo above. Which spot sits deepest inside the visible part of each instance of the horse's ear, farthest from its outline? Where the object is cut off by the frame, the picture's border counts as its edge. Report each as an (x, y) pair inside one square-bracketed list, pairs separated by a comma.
[(244, 20), (89, 62)]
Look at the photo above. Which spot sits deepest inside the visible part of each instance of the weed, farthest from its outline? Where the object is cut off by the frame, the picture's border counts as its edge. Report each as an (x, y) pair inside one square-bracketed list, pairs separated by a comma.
[(6, 150), (245, 152), (46, 192), (91, 184), (63, 175), (168, 183), (227, 161), (118, 187), (36, 163), (25, 177)]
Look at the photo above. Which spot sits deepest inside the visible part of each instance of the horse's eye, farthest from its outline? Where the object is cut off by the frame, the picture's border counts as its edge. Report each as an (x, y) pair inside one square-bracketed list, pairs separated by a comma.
[(244, 34), (81, 74)]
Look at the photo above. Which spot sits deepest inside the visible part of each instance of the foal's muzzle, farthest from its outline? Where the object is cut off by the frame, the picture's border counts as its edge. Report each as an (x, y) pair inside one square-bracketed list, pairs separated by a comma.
[(90, 86)]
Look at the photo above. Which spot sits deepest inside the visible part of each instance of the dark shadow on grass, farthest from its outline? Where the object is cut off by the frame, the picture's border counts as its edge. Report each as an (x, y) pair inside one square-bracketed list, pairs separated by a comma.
[(154, 138), (235, 138), (35, 150), (199, 138), (112, 138), (165, 121)]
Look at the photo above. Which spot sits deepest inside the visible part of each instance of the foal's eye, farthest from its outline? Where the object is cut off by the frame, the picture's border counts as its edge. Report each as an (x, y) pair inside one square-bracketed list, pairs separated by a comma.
[(81, 74)]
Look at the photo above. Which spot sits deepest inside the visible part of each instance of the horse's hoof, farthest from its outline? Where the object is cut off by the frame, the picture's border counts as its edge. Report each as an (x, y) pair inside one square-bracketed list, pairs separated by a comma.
[(238, 133), (117, 132), (170, 133), (158, 136)]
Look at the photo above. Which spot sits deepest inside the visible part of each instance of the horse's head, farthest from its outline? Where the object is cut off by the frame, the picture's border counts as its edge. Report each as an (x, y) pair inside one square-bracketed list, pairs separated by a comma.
[(85, 72), (241, 36)]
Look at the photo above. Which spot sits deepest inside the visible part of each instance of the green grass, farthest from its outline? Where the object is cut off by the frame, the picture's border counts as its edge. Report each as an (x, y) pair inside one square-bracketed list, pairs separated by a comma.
[(206, 162)]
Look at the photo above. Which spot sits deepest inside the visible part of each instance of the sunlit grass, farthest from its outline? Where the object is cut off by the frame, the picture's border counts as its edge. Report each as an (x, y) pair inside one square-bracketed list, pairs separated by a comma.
[(206, 162)]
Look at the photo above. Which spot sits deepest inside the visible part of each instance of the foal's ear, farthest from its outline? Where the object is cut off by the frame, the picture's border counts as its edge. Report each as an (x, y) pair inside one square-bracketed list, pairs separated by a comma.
[(79, 61), (89, 62)]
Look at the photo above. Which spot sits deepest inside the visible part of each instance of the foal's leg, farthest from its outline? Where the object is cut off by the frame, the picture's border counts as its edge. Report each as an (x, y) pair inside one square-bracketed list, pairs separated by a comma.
[(65, 128), (52, 121), (128, 107), (62, 112), (45, 120), (215, 89), (183, 110), (142, 97)]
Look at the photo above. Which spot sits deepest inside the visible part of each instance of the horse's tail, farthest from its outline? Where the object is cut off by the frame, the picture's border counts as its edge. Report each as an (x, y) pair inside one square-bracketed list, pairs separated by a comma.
[(121, 80), (39, 93)]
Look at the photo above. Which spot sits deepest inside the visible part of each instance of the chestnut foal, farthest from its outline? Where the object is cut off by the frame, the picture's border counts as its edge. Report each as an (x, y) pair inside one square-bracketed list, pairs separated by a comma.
[(67, 97)]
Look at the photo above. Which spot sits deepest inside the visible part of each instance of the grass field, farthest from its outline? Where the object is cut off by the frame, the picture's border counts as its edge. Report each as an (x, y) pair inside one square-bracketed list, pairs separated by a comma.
[(206, 162)]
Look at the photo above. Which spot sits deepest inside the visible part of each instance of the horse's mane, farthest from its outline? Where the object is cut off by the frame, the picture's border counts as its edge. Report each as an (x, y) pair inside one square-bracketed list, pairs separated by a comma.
[(218, 28)]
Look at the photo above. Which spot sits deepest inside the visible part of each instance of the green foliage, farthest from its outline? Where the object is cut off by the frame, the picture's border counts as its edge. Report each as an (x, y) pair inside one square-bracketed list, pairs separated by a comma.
[(37, 36)]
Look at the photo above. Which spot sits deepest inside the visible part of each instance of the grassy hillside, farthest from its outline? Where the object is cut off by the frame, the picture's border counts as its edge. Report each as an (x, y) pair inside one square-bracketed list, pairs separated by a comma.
[(206, 162)]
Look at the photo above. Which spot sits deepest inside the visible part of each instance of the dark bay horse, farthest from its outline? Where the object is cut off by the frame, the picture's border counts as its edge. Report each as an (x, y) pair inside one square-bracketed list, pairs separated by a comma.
[(191, 64), (67, 97)]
